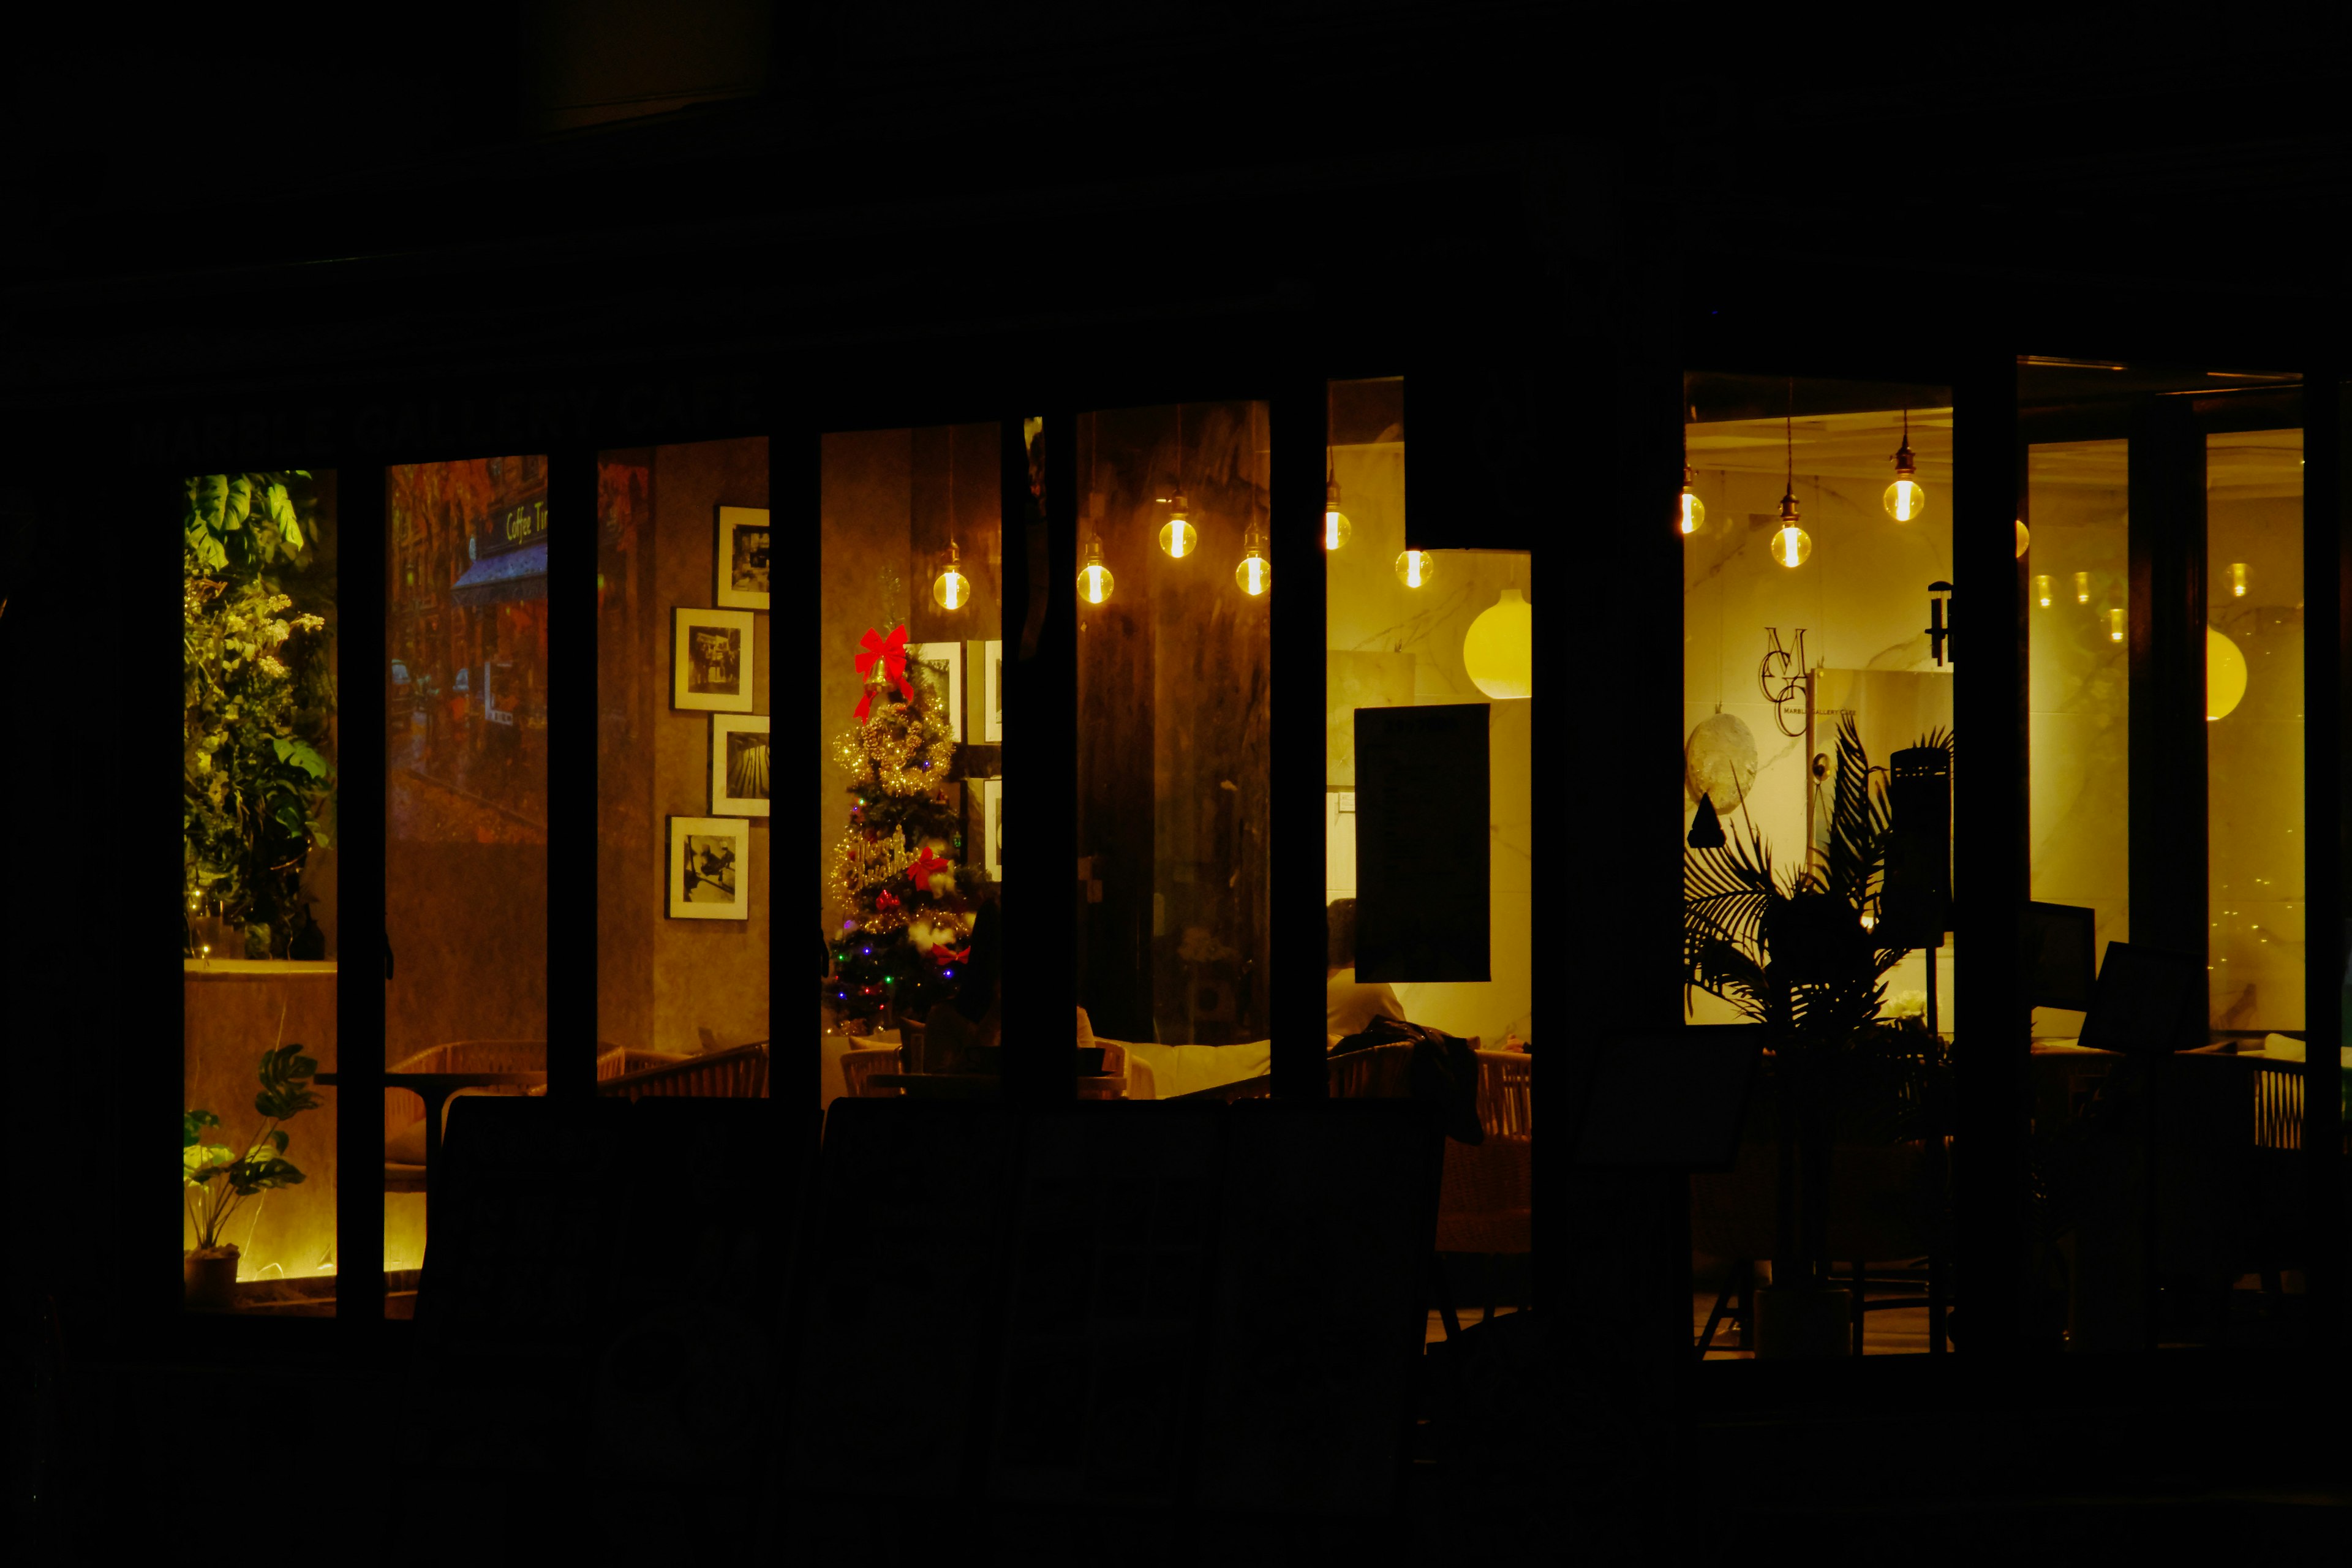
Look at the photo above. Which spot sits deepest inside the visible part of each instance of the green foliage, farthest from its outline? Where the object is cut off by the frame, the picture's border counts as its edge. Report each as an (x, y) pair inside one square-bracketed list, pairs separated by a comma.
[(257, 700), (218, 1178)]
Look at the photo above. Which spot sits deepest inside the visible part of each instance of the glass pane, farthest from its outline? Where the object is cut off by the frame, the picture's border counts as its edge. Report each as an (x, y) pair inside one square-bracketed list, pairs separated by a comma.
[(682, 790), (907, 853), (2253, 748), (1817, 514), (2079, 689), (258, 755), (1172, 721), (465, 675), (1400, 632)]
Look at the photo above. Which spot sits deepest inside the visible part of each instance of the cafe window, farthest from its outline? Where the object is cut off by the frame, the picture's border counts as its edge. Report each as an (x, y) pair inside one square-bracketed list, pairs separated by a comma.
[(686, 568), (907, 844), (465, 673), (1173, 588), (262, 930), (1449, 633), (1817, 520)]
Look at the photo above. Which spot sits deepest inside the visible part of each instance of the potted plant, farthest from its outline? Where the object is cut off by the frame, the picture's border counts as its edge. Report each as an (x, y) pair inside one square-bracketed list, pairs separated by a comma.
[(1797, 956), (218, 1179)]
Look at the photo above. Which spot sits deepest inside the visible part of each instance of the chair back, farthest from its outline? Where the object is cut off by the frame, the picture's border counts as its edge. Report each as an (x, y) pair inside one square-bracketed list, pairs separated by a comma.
[(1506, 1094), (857, 1065), (738, 1073), (1113, 1066), (1378, 1072), (404, 1108)]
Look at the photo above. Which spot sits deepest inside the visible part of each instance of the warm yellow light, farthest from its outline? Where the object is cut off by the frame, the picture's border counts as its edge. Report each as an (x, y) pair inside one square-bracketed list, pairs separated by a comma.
[(1254, 573), (1094, 577), (2225, 676), (2116, 624), (2238, 579), (1792, 546), (1177, 538), (1336, 526), (1499, 651), (2023, 538), (1904, 499), (1414, 568), (1693, 511), (2082, 588), (951, 590), (2042, 589)]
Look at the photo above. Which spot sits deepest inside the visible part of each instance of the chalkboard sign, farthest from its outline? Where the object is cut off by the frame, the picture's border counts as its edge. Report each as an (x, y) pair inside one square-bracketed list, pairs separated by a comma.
[(2146, 1001), (1421, 858)]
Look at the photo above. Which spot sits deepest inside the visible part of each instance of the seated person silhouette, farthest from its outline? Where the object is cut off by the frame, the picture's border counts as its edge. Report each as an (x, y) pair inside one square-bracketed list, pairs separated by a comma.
[(1350, 1006)]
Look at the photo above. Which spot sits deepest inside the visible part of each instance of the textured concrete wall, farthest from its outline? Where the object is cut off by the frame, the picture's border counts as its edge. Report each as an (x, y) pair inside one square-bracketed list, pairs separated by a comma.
[(230, 1014)]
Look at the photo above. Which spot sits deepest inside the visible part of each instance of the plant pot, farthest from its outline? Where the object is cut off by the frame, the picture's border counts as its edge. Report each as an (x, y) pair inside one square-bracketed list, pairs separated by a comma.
[(208, 1280), (1796, 1323)]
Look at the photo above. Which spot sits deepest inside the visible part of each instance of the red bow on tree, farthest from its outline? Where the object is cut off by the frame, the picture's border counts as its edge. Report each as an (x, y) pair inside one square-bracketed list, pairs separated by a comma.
[(942, 953), (885, 901), (926, 866), (892, 653)]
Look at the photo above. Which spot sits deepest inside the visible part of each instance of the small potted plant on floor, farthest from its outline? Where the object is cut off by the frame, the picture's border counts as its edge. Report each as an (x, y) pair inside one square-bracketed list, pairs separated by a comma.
[(218, 1179)]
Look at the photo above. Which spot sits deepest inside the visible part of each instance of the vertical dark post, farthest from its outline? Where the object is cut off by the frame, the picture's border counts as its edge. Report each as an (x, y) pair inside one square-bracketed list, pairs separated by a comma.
[(2166, 618), (796, 510), (1040, 695), (1993, 1039), (365, 954), (2327, 865), (571, 770), (1300, 433)]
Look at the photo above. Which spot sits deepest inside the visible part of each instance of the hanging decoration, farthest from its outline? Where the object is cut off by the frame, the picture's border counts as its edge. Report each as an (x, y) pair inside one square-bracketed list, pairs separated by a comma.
[(1791, 544), (1177, 538), (1336, 526), (951, 589), (888, 655), (1781, 677)]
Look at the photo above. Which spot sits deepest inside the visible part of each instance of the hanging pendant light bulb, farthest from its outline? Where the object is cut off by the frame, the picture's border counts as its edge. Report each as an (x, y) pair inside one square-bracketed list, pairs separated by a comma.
[(1255, 574), (1094, 577), (2237, 579), (1694, 510), (2116, 624), (2042, 589), (1904, 499), (951, 590), (1414, 568), (1792, 545), (1177, 538), (2082, 588)]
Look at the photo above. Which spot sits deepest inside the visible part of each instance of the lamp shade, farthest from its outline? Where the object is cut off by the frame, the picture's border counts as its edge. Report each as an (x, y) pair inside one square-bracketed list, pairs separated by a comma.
[(1499, 651), (2225, 676)]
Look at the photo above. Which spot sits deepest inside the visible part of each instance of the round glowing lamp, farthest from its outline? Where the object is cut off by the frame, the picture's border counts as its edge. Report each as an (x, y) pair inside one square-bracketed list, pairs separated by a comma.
[(1694, 510), (1177, 538), (2023, 539), (951, 589), (1792, 545), (1336, 526), (1254, 573), (1499, 650), (1094, 577), (1905, 498), (1414, 568), (2225, 676)]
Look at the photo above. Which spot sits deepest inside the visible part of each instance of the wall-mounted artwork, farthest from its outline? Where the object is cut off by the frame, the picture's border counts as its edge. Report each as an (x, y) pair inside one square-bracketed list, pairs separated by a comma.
[(710, 660), (709, 868), (743, 557), (938, 667), (991, 722), (739, 764), (991, 793)]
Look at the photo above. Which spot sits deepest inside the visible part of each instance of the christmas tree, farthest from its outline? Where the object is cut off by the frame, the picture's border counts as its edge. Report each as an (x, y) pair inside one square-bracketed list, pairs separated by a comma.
[(896, 871)]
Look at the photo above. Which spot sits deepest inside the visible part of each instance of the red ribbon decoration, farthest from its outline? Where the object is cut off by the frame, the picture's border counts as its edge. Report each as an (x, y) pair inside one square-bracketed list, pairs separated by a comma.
[(926, 866), (892, 655), (942, 953), (885, 903)]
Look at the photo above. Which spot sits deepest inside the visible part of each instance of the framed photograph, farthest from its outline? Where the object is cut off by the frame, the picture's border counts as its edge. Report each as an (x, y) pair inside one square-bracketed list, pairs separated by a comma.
[(991, 708), (709, 868), (739, 764), (710, 660), (742, 558), (938, 667), (990, 792)]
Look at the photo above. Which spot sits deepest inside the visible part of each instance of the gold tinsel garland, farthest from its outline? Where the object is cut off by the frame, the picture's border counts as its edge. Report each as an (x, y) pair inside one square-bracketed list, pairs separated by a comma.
[(883, 752)]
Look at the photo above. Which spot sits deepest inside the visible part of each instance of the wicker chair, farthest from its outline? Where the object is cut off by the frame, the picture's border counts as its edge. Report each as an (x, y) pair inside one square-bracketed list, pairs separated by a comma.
[(739, 1073), (404, 1110), (857, 1065)]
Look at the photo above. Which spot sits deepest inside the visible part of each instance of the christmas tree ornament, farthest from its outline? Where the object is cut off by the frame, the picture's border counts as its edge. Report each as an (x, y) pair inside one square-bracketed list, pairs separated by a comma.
[(888, 657)]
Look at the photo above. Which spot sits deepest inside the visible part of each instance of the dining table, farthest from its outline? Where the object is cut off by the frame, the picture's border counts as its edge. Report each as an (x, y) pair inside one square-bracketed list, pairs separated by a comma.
[(978, 1085)]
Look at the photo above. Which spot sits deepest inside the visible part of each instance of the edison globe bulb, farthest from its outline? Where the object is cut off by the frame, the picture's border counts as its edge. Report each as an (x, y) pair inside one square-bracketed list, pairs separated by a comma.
[(1177, 538), (1255, 574), (2116, 624), (2082, 588), (1904, 499), (1694, 516), (1336, 526), (951, 590), (1094, 577), (1792, 545), (1414, 568), (2042, 589)]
